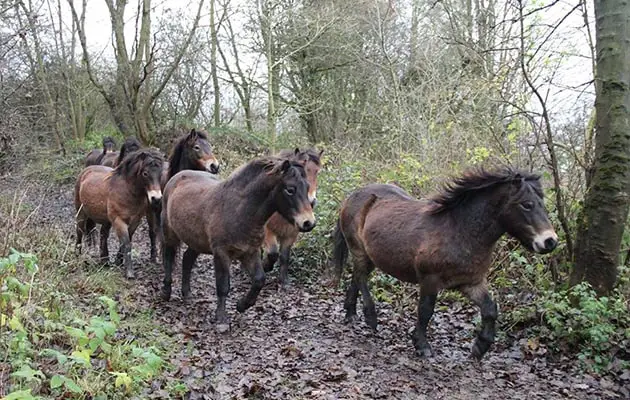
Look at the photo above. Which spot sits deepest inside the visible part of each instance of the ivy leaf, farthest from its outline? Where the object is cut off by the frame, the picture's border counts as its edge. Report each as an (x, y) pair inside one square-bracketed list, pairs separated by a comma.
[(72, 386), (28, 373), (20, 395), (122, 379), (56, 381), (82, 356)]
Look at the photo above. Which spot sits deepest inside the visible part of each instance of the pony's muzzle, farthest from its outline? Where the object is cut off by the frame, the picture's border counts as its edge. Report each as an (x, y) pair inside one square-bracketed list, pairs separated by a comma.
[(305, 221), (545, 241), (212, 166), (155, 197)]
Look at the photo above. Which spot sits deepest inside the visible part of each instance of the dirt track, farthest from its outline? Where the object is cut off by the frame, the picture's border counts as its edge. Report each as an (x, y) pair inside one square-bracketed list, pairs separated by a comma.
[(292, 344)]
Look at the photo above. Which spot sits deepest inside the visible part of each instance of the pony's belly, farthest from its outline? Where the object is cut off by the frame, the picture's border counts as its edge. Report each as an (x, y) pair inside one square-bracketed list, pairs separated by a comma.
[(93, 196), (186, 220), (398, 269)]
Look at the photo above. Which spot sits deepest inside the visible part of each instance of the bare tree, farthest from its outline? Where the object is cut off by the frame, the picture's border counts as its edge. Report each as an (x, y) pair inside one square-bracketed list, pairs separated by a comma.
[(136, 86)]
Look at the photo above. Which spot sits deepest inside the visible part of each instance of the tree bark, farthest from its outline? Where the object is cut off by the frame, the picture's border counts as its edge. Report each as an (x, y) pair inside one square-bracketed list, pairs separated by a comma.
[(606, 203), (213, 66)]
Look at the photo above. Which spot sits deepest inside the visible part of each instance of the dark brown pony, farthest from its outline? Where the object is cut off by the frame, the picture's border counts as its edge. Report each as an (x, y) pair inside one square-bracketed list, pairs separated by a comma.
[(191, 151), (118, 198), (280, 235), (227, 219), (442, 243), (95, 156), (112, 159)]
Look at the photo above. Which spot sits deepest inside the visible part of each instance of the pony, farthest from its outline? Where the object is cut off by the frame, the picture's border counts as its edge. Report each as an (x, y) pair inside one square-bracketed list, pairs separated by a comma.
[(118, 198), (227, 219), (445, 242), (280, 234)]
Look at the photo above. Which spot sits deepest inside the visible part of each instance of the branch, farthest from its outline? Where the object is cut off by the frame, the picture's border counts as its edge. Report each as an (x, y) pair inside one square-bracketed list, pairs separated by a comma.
[(178, 58), (86, 58), (550, 142)]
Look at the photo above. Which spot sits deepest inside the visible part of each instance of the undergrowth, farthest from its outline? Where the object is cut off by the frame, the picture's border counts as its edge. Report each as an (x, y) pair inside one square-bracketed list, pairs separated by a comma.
[(61, 334)]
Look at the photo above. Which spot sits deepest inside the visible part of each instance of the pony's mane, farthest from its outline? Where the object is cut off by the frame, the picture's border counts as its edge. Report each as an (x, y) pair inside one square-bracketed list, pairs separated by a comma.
[(270, 165), (129, 167), (473, 180), (312, 155), (130, 145), (178, 149)]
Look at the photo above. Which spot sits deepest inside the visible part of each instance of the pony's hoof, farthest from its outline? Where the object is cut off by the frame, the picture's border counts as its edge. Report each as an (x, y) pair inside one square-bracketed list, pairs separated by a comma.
[(477, 353), (350, 319), (223, 328), (130, 275), (241, 306), (372, 323), (268, 268), (424, 352), (186, 298), (165, 295)]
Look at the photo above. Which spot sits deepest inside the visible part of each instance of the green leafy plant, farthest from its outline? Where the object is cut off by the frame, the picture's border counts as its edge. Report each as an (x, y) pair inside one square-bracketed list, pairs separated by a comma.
[(595, 326)]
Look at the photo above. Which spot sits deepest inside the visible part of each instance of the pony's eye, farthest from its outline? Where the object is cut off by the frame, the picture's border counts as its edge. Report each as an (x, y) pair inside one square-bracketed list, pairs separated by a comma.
[(197, 148), (289, 191), (145, 174), (527, 205)]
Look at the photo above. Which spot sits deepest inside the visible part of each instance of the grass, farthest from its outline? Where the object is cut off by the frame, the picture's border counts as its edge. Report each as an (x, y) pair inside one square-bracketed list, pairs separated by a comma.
[(60, 334)]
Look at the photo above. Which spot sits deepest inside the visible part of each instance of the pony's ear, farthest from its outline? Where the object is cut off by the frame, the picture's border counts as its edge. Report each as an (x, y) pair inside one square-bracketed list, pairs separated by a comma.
[(286, 164), (321, 152), (193, 134), (297, 151)]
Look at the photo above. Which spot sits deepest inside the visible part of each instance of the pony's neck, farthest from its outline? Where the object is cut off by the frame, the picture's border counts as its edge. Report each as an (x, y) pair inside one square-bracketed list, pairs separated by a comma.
[(479, 220), (258, 194)]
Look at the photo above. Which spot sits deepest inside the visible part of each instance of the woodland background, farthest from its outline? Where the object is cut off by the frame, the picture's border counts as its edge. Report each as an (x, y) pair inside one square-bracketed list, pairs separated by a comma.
[(410, 92)]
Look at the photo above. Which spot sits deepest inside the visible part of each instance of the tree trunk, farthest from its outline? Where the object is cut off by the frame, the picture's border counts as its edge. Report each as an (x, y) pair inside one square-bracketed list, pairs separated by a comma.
[(606, 203), (213, 67)]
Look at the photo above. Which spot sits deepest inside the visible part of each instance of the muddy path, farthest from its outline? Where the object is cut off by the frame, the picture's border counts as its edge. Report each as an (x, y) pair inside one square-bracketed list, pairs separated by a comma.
[(293, 344)]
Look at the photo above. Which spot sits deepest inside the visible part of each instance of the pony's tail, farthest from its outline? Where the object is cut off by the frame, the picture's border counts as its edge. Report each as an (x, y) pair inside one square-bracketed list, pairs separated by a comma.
[(340, 253)]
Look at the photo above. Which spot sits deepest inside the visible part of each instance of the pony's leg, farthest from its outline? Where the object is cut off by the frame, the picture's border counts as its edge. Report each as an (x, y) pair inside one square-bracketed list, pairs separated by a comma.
[(285, 252), (90, 229), (361, 273), (80, 229), (188, 261), (426, 305), (479, 295), (222, 275), (168, 259), (152, 223), (350, 304), (105, 228), (271, 251), (122, 231), (254, 267)]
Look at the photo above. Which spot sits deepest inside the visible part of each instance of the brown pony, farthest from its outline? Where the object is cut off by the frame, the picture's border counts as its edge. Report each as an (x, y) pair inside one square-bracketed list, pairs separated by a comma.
[(442, 243), (227, 219), (191, 151), (280, 235), (118, 198), (95, 156)]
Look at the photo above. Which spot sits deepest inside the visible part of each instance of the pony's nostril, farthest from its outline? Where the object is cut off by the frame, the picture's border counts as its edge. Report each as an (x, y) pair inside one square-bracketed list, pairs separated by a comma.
[(214, 168), (306, 225), (550, 244)]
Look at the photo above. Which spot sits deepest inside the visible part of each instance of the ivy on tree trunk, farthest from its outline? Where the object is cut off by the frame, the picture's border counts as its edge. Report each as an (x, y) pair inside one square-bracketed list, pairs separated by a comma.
[(606, 203)]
